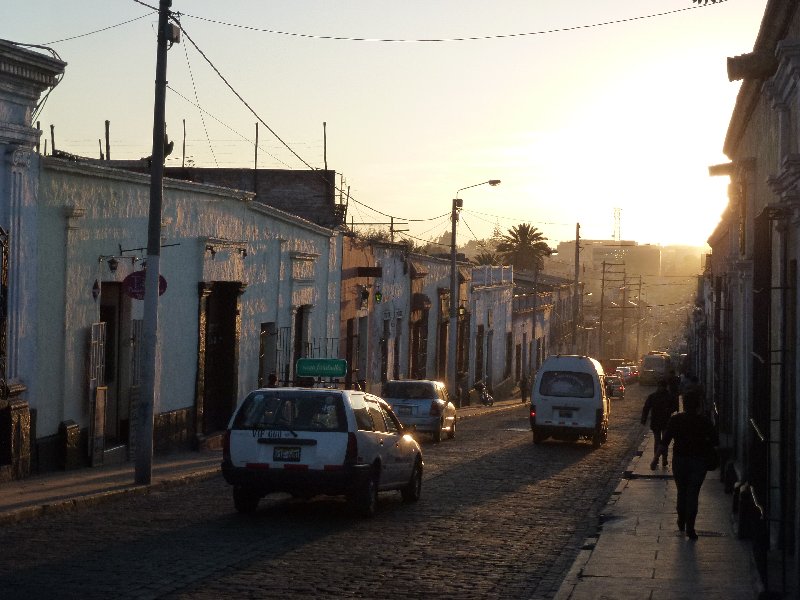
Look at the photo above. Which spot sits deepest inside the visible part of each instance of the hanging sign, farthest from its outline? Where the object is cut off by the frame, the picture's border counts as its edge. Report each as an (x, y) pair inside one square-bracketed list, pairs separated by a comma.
[(133, 285)]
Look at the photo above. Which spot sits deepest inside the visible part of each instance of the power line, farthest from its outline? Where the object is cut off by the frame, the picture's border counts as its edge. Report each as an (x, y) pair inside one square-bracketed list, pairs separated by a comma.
[(88, 33), (479, 214), (446, 40), (202, 118)]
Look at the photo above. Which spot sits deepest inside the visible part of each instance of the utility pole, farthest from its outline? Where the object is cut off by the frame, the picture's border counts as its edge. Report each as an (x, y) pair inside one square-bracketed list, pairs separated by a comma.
[(452, 342), (600, 337), (145, 409), (576, 292), (623, 337), (638, 317)]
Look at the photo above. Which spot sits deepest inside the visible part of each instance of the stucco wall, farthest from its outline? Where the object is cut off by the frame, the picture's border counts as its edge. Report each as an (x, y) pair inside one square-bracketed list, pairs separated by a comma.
[(110, 212)]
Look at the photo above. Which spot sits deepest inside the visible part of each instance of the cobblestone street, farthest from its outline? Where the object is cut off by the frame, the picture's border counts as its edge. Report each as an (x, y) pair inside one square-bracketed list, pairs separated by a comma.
[(499, 518)]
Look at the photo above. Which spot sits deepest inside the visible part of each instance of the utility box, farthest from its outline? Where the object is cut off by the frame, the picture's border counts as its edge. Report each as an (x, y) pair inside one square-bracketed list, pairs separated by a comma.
[(70, 440)]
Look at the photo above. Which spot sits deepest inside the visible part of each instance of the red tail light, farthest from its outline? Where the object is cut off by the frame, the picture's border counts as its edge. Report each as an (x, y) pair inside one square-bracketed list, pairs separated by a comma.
[(533, 413), (351, 456), (226, 445), (436, 410)]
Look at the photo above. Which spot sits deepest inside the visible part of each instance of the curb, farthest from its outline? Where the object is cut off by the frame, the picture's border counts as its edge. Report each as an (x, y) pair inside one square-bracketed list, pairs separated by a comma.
[(92, 499)]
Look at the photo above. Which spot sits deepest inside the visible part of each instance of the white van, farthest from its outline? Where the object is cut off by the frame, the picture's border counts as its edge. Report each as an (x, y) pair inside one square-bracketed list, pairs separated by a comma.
[(568, 400)]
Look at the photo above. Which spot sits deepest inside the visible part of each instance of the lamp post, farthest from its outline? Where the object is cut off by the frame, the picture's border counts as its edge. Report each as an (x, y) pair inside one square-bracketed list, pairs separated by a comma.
[(452, 350)]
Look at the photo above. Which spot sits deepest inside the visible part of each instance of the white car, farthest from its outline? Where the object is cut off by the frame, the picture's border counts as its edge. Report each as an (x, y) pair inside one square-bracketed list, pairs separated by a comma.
[(311, 441)]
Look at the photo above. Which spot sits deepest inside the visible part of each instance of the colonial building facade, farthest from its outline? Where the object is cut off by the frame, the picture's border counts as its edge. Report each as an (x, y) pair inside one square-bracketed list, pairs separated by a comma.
[(745, 325), (253, 278)]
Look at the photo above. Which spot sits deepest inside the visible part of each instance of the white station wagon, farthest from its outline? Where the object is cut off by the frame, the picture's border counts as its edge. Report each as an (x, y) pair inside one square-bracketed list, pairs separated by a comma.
[(311, 441)]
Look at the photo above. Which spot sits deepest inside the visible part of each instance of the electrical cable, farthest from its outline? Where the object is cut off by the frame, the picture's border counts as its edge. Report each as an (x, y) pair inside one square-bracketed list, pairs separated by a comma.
[(242, 136), (272, 131), (202, 118), (447, 40), (75, 37)]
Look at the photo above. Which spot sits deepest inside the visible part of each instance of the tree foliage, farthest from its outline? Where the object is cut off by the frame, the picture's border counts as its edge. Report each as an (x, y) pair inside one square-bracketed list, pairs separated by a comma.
[(524, 247), (487, 257)]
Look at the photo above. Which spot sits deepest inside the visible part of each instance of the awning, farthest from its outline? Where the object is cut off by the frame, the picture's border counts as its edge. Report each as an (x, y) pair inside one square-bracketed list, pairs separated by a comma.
[(417, 269), (420, 301)]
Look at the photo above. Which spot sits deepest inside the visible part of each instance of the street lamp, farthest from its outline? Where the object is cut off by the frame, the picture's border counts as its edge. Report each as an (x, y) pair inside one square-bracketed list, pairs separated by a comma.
[(452, 375)]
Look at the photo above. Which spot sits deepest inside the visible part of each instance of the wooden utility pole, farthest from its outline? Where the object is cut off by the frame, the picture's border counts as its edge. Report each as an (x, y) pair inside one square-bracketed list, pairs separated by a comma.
[(600, 338), (183, 149), (623, 337), (108, 139), (145, 409), (577, 295), (255, 160)]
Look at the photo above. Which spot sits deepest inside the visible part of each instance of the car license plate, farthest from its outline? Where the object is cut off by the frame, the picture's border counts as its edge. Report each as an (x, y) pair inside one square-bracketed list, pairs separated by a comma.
[(565, 414), (286, 454), (404, 411)]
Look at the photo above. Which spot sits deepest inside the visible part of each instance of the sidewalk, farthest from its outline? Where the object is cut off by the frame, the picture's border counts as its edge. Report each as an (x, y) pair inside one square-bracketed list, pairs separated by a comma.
[(62, 490), (639, 552)]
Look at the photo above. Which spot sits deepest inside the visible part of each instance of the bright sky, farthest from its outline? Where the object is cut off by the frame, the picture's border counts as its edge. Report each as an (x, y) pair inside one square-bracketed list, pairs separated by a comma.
[(575, 118)]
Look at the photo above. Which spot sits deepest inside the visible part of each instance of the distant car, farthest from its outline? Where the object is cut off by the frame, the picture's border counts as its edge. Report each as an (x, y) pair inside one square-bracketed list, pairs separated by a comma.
[(654, 367), (422, 405), (625, 374), (312, 441), (615, 388)]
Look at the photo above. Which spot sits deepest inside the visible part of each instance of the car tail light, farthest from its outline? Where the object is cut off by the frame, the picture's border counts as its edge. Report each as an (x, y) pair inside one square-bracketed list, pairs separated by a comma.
[(226, 445), (533, 412), (622, 388), (436, 410), (351, 456)]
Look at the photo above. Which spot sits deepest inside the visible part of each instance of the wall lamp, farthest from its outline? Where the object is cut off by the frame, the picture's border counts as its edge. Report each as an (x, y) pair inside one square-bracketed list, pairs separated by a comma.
[(113, 261), (212, 250)]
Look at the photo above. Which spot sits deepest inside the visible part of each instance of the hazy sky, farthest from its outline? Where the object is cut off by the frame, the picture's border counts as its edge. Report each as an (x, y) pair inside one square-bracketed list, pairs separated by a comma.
[(579, 107)]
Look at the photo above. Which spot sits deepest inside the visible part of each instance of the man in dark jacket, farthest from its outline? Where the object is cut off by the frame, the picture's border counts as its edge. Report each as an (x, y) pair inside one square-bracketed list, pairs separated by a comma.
[(659, 405)]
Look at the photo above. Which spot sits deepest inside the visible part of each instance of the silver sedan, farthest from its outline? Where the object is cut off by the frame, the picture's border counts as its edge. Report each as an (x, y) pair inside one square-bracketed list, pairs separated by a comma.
[(422, 405)]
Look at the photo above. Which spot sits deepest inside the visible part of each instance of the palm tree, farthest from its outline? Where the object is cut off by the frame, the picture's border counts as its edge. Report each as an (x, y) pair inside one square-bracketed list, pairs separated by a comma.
[(487, 257), (524, 247)]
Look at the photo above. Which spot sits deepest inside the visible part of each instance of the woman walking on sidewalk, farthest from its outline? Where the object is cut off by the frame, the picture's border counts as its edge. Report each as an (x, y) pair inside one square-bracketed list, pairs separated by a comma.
[(693, 434)]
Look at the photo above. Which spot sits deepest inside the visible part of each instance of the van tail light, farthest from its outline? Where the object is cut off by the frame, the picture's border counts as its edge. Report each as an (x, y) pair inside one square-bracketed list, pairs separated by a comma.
[(533, 412), (351, 455), (436, 410), (226, 445)]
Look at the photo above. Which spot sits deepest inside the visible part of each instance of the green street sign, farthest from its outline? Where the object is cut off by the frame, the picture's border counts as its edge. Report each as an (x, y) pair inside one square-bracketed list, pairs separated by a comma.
[(321, 367)]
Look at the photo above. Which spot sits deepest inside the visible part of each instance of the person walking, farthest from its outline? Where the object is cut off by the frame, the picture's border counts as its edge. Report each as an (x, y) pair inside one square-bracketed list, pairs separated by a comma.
[(659, 405), (694, 434)]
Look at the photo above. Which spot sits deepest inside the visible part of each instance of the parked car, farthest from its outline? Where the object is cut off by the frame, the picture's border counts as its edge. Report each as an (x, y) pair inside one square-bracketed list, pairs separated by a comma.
[(615, 388), (422, 405), (569, 401), (311, 441)]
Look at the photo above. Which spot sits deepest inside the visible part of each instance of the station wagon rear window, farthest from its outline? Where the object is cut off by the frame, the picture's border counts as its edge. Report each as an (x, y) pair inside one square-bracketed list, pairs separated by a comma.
[(294, 410), (567, 384), (409, 390)]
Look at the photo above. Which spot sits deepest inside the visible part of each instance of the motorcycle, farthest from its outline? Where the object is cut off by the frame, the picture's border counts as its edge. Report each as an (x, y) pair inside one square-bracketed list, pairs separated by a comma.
[(483, 393)]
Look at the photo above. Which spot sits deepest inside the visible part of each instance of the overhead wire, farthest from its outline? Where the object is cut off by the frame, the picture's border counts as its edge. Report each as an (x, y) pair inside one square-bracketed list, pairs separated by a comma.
[(176, 16), (88, 33), (202, 118), (339, 38), (270, 129), (241, 135)]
